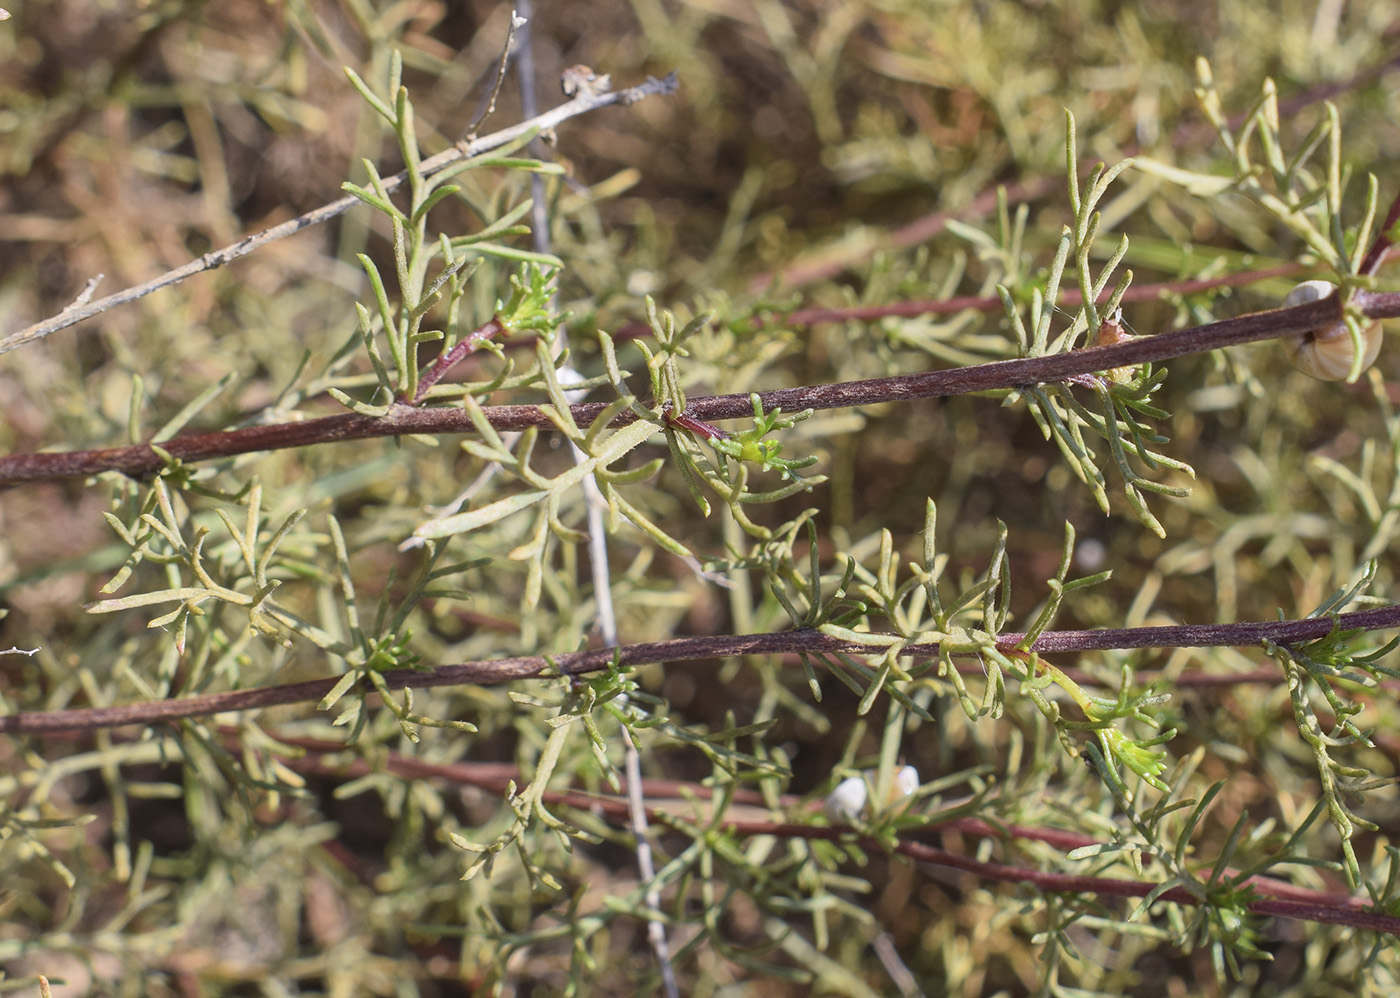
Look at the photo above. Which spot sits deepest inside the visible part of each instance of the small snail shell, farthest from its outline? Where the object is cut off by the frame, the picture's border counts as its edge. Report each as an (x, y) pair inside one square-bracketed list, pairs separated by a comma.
[(1327, 353), (850, 799)]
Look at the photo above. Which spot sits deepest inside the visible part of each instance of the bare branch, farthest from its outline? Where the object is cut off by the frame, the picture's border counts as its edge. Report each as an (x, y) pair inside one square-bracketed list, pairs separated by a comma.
[(582, 104)]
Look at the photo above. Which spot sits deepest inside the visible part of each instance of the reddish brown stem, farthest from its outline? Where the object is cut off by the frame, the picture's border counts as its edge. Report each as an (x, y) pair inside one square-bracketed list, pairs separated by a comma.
[(1069, 298), (695, 426), (1279, 632), (450, 358), (404, 419), (1344, 913), (497, 778), (921, 230), (925, 228), (1383, 244)]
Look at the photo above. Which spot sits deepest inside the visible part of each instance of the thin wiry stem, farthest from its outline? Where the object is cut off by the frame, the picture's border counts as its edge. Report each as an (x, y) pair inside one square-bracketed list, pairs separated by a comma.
[(518, 22), (599, 563)]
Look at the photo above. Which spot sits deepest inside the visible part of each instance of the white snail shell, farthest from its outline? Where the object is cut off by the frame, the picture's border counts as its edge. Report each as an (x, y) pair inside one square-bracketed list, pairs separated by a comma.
[(850, 799), (847, 801), (1327, 353)]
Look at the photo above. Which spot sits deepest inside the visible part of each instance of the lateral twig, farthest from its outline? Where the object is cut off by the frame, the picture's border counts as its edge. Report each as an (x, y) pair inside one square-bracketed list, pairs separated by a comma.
[(1070, 883), (307, 755), (1069, 298), (581, 104), (830, 263)]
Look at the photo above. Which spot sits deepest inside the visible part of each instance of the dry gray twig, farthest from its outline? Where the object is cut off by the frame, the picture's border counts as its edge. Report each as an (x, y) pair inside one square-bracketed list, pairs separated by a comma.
[(586, 101)]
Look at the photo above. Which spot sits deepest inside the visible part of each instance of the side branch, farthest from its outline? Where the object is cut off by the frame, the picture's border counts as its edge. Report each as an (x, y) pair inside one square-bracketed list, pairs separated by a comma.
[(1069, 298), (490, 672), (1071, 883), (405, 419), (1278, 898), (586, 101)]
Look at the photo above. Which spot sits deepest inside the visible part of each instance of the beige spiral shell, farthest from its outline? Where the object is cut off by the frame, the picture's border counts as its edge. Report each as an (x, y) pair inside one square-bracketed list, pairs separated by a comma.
[(1327, 353)]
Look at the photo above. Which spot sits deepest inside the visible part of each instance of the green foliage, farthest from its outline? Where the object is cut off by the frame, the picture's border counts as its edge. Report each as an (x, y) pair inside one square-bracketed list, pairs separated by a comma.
[(432, 791), (1123, 395)]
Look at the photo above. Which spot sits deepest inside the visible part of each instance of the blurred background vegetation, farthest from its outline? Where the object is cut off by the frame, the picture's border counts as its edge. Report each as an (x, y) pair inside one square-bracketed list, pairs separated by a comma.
[(810, 158)]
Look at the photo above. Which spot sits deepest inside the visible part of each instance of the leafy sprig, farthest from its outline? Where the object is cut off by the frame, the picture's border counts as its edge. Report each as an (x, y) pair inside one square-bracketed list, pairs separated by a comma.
[(416, 251), (1123, 394)]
